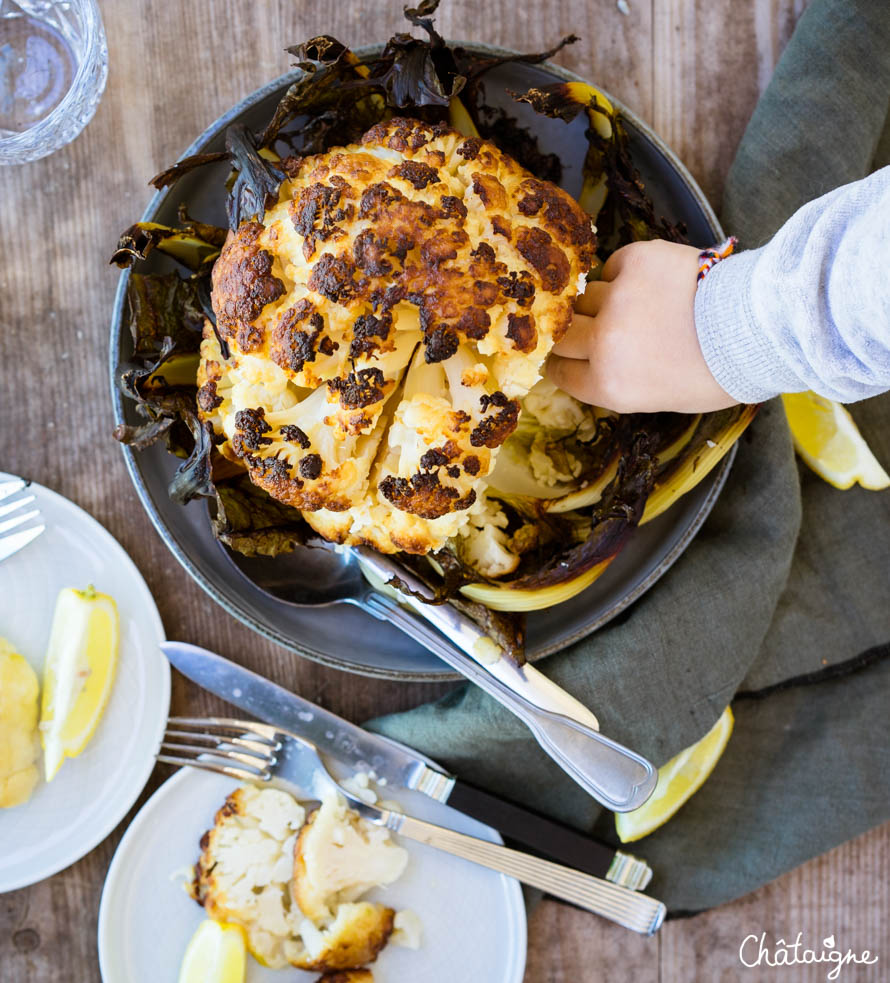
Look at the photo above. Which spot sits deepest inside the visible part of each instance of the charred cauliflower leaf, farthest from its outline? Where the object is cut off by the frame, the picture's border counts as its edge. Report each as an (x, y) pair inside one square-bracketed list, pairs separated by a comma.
[(381, 325)]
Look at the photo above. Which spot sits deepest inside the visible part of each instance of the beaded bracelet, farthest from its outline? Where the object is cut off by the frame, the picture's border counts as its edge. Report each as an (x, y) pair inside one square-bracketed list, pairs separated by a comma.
[(708, 258)]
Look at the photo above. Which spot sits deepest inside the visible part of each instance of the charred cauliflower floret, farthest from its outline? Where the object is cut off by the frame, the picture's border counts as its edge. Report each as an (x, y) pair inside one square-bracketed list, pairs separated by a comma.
[(356, 935), (547, 454), (381, 325), (347, 976), (295, 886), (433, 460), (243, 874), (304, 452)]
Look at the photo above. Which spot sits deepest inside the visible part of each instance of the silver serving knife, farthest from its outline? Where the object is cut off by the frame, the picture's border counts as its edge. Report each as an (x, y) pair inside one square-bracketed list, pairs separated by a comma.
[(395, 764), (524, 680)]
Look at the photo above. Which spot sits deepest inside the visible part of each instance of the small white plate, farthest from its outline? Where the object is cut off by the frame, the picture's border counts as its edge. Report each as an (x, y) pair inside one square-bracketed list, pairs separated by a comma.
[(91, 794), (473, 919)]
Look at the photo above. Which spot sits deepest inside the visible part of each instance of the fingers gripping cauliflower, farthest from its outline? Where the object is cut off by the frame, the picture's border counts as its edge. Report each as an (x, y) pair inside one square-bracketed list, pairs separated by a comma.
[(380, 326), (295, 886)]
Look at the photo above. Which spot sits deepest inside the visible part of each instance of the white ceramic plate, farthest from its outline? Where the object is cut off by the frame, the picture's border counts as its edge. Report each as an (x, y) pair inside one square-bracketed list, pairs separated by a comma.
[(92, 793), (473, 919)]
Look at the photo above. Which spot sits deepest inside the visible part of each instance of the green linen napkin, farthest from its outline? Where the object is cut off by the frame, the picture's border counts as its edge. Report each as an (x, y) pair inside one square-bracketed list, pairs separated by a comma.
[(779, 606)]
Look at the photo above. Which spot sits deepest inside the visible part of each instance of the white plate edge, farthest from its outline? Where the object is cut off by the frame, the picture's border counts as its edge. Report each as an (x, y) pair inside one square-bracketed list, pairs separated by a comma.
[(515, 909), (105, 829)]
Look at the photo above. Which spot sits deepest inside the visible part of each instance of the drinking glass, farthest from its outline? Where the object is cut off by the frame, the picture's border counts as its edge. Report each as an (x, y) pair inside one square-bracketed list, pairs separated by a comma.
[(53, 67)]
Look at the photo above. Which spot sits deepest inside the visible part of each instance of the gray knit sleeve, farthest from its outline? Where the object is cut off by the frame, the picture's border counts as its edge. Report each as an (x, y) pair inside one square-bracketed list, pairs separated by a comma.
[(811, 308)]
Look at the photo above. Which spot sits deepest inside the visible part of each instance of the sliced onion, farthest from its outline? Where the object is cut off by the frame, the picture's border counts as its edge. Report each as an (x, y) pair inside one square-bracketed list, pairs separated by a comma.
[(508, 598)]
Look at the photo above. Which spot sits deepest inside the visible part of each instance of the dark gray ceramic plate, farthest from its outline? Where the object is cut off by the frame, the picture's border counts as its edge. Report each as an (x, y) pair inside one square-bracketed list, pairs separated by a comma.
[(344, 636)]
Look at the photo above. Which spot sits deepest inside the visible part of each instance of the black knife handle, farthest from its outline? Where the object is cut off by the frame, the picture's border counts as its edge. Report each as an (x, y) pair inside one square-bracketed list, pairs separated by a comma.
[(534, 832)]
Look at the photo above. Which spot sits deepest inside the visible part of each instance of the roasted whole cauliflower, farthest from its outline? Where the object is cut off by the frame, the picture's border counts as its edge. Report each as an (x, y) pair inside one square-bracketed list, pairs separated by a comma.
[(381, 314), (377, 331), (294, 886)]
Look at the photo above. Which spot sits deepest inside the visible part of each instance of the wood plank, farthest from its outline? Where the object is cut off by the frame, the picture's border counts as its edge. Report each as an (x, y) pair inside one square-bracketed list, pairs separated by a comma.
[(693, 68), (567, 945), (842, 894), (710, 63)]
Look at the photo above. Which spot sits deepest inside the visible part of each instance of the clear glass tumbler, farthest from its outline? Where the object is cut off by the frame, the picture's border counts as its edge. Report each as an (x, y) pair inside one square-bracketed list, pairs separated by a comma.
[(53, 67)]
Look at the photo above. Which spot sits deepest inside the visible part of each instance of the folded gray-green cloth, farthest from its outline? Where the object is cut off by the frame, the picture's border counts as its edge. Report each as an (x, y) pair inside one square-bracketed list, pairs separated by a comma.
[(781, 605)]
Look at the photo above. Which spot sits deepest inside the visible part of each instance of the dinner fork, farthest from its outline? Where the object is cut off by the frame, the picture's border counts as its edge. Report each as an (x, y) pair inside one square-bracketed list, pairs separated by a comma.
[(258, 753), (10, 541)]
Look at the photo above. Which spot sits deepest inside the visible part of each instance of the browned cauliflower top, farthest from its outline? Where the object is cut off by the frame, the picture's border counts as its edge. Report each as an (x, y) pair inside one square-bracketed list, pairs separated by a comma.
[(382, 322)]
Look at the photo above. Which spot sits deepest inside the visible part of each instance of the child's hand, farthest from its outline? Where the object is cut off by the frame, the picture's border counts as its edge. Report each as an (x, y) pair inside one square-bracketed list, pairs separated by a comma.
[(632, 346)]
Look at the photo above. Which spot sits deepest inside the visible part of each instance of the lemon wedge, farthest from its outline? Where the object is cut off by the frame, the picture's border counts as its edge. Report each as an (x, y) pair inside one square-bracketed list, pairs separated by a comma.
[(827, 438), (215, 954), (678, 780), (80, 661)]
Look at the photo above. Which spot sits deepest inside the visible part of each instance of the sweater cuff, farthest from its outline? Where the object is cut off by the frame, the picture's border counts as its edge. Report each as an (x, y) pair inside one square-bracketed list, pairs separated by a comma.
[(736, 351)]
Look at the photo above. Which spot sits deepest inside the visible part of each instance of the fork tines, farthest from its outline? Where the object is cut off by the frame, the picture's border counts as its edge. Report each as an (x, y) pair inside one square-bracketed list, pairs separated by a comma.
[(11, 542), (240, 749)]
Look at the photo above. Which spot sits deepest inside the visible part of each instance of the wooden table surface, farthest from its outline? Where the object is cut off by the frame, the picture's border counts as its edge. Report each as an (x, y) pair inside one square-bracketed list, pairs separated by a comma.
[(174, 67)]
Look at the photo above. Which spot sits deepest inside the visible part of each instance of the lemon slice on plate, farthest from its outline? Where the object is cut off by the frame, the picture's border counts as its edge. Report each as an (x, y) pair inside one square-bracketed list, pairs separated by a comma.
[(827, 438), (78, 674), (678, 780), (215, 954)]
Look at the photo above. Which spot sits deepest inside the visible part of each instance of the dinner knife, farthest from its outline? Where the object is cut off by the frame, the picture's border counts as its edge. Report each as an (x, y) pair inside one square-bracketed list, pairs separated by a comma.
[(392, 763)]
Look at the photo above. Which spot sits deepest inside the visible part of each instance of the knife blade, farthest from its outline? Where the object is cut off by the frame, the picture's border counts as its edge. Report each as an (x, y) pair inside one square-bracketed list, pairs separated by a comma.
[(392, 763)]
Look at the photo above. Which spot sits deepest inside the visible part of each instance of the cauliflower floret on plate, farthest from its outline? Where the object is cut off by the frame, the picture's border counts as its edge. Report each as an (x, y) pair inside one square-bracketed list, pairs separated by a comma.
[(355, 936), (244, 872), (294, 886), (339, 857)]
